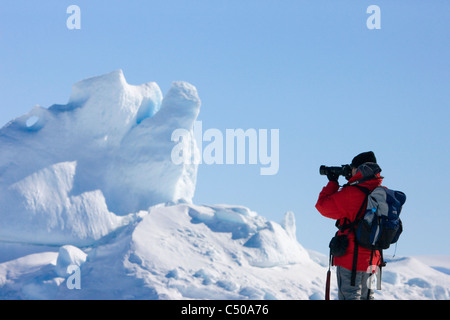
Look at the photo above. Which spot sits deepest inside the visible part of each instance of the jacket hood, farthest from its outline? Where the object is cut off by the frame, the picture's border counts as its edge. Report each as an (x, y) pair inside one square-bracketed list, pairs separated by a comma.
[(366, 173)]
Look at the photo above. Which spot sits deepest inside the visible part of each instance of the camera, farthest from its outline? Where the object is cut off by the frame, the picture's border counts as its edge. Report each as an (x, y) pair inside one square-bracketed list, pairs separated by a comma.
[(344, 170)]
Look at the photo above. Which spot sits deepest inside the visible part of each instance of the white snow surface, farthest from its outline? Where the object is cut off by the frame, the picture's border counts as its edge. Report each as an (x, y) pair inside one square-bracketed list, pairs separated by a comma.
[(92, 207)]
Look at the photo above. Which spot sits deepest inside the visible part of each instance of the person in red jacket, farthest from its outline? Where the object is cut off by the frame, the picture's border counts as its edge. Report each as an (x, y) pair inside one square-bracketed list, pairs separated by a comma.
[(343, 204)]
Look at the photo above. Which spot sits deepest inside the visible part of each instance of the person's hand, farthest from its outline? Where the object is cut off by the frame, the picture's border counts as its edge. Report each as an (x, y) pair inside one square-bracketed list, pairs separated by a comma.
[(333, 177)]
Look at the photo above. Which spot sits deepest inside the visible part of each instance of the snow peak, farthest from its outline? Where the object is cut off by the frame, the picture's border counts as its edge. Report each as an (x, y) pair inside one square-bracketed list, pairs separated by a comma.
[(193, 310)]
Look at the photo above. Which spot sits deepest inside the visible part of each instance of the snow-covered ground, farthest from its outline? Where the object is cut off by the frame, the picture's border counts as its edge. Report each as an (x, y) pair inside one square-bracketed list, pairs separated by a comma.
[(186, 251), (92, 207)]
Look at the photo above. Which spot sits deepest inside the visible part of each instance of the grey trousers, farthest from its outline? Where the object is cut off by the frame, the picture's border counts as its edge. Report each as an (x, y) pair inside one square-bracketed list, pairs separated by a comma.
[(348, 292)]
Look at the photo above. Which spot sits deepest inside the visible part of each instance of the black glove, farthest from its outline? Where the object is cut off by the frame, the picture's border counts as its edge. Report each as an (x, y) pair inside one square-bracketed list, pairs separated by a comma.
[(333, 177)]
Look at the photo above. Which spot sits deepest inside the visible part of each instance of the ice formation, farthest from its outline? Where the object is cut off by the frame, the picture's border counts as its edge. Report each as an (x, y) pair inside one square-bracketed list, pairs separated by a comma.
[(73, 173)]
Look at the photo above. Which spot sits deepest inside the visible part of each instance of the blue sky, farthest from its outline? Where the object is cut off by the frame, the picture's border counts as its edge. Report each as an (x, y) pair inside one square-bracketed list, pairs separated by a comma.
[(311, 69)]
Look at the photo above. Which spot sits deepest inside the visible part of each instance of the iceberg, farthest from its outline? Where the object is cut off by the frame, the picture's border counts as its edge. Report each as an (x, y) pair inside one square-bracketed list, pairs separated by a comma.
[(71, 174)]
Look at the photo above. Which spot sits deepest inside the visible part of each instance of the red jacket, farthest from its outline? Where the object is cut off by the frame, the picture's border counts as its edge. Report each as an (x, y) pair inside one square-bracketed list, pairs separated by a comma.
[(345, 203)]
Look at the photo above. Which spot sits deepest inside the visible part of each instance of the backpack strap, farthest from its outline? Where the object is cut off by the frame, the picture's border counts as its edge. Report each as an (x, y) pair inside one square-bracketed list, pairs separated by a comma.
[(363, 189), (355, 263), (360, 213), (351, 225)]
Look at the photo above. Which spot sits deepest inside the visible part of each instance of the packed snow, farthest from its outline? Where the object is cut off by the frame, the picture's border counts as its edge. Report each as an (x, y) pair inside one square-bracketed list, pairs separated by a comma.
[(92, 207)]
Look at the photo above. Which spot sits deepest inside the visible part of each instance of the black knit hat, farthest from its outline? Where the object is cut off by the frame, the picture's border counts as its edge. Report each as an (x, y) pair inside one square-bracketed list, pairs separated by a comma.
[(363, 158)]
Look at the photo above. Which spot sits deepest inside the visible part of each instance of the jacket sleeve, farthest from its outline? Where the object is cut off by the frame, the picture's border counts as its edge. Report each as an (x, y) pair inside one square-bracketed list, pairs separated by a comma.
[(328, 204), (337, 204)]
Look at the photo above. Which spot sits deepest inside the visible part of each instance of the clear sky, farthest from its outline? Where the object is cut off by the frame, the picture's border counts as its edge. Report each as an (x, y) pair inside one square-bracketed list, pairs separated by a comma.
[(312, 69)]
